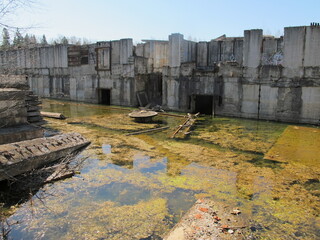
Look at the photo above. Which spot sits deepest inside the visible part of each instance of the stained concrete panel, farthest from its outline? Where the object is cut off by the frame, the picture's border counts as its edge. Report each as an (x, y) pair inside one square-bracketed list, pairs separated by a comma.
[(160, 53), (175, 49), (238, 50), (126, 50), (252, 46), (73, 88), (289, 104), (115, 52), (231, 96), (293, 47), (312, 47), (202, 54), (189, 49), (268, 102), (227, 50), (214, 52), (250, 100), (270, 46), (173, 94), (310, 111)]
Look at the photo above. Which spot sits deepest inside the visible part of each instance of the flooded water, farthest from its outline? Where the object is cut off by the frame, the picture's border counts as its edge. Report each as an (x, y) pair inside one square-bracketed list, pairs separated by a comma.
[(139, 186)]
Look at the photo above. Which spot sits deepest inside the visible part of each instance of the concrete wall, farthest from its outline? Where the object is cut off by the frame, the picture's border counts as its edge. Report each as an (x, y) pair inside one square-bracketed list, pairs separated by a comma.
[(312, 47), (252, 47), (254, 76)]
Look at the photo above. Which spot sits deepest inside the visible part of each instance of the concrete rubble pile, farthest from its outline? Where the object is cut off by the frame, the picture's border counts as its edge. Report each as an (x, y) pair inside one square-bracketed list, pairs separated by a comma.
[(22, 146)]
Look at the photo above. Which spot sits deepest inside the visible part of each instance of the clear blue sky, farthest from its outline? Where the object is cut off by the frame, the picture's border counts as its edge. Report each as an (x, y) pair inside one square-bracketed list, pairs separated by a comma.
[(200, 20)]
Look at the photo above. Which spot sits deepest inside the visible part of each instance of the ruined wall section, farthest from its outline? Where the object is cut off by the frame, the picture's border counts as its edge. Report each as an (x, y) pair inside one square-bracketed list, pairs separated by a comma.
[(77, 73), (256, 76), (259, 77), (119, 75)]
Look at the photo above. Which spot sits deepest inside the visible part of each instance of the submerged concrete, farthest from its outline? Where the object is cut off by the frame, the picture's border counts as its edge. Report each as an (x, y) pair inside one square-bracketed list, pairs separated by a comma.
[(21, 157)]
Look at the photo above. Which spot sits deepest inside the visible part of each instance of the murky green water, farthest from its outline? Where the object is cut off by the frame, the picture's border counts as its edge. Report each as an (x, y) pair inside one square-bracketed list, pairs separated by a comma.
[(137, 187)]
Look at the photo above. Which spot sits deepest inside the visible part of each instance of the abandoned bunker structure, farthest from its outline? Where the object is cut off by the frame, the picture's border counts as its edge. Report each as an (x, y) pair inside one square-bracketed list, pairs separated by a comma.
[(254, 76)]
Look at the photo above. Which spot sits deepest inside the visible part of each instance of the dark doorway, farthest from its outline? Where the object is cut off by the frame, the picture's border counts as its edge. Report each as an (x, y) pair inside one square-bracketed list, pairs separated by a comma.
[(105, 96), (204, 104), (154, 88)]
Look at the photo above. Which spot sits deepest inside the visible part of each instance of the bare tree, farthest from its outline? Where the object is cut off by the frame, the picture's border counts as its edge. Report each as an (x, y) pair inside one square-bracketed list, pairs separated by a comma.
[(9, 8)]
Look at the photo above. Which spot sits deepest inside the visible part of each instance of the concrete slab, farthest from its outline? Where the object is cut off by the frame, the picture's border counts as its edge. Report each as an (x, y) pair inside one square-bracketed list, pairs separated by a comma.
[(20, 157), (19, 133), (210, 220), (297, 145)]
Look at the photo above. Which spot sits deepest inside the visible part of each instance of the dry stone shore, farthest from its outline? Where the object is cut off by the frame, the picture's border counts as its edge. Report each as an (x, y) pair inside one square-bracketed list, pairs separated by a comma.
[(210, 220)]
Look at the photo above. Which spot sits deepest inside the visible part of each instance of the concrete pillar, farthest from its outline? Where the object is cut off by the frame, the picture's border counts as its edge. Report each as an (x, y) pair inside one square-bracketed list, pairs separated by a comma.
[(126, 50), (312, 47), (293, 47), (175, 49), (252, 47), (202, 54)]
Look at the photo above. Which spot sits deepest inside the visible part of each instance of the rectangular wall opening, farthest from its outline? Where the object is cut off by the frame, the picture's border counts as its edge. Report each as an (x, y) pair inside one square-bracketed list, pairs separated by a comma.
[(203, 104), (105, 96)]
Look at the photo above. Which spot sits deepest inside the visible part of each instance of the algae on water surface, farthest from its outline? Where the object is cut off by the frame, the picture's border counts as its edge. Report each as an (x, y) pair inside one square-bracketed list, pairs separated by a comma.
[(137, 187)]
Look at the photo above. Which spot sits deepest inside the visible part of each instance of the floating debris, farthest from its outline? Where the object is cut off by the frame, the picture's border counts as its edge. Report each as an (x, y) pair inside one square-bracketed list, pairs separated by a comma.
[(143, 116)]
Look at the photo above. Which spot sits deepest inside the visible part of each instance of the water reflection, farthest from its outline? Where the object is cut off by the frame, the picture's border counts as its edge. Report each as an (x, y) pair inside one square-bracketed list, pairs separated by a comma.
[(135, 187), (106, 148)]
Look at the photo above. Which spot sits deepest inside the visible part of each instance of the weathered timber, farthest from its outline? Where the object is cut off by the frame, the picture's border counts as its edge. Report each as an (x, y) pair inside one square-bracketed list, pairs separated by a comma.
[(186, 125), (20, 157), (210, 220), (147, 130), (53, 115)]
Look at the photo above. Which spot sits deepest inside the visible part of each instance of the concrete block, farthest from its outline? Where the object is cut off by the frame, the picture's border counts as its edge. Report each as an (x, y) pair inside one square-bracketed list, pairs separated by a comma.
[(73, 88), (173, 94), (231, 97), (310, 111), (139, 49), (252, 46), (270, 46), (238, 50), (268, 102), (175, 49), (227, 53), (202, 54), (115, 52), (126, 50), (294, 38), (214, 52), (312, 47), (103, 58), (289, 104), (250, 100), (189, 51)]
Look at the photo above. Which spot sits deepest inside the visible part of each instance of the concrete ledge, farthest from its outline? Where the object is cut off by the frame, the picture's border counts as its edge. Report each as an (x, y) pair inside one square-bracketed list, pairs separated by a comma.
[(20, 157), (20, 133)]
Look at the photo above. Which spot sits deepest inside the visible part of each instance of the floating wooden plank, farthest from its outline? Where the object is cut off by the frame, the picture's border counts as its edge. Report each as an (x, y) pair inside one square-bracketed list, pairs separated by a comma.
[(186, 125), (147, 130), (53, 115)]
